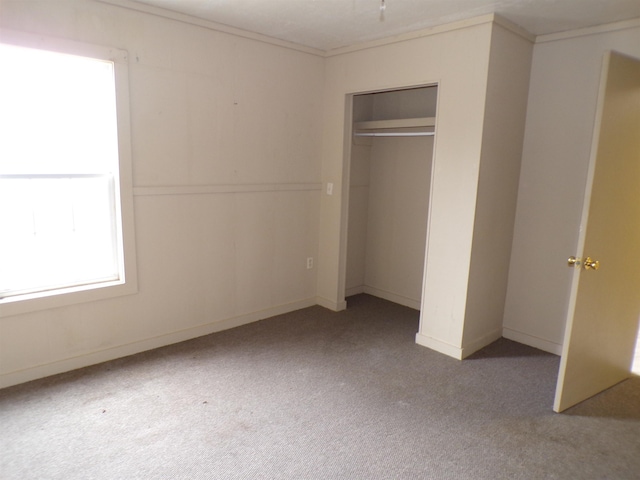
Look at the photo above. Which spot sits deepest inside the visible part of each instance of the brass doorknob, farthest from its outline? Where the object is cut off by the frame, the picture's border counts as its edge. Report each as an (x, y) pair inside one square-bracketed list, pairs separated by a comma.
[(590, 264), (573, 262)]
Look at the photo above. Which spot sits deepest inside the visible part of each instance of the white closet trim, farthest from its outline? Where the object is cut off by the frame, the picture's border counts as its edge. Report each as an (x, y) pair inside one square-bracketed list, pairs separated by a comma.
[(371, 128), (394, 134)]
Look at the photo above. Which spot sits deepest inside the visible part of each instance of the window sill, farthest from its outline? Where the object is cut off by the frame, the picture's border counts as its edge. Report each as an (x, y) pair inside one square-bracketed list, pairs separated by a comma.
[(34, 302)]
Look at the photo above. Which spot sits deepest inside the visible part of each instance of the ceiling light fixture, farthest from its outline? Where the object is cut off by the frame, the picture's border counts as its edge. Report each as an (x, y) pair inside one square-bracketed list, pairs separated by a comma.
[(383, 7)]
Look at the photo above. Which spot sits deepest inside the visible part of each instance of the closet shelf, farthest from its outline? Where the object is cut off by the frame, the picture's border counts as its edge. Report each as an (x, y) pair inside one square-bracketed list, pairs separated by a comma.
[(395, 123), (400, 127)]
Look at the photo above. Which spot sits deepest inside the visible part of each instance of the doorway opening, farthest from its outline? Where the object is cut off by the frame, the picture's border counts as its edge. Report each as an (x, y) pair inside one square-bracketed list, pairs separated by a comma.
[(390, 155)]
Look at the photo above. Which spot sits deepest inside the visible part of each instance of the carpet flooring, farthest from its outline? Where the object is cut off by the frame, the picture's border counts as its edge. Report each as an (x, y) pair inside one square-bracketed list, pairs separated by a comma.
[(315, 394)]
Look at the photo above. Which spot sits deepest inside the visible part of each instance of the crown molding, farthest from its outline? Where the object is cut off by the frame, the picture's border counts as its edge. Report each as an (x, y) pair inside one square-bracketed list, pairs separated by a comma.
[(513, 28), (404, 37), (218, 27), (436, 30), (595, 30)]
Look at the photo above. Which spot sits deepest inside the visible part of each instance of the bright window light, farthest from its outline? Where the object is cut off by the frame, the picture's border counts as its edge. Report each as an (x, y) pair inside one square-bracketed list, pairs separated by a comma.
[(59, 181)]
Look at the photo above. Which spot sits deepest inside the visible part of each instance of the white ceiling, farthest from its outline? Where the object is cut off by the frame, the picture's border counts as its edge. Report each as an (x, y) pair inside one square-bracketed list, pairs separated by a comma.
[(329, 24)]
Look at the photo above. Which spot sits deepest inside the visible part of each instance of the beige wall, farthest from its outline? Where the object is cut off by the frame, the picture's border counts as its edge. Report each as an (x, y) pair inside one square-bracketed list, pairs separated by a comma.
[(503, 132), (458, 60), (560, 117), (461, 75), (234, 140), (226, 164)]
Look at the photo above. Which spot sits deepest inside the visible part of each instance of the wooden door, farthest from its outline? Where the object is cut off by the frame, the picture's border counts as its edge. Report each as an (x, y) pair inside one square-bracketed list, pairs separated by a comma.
[(604, 306)]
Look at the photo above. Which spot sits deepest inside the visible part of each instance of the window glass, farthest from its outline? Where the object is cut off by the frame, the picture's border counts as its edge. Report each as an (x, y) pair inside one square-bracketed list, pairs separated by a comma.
[(59, 181)]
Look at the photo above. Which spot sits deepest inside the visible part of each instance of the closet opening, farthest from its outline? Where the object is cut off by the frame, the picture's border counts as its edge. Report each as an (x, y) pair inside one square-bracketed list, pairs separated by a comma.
[(389, 159)]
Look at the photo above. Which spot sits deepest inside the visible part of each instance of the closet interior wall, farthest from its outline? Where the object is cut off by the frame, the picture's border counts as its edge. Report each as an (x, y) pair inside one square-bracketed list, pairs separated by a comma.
[(389, 198)]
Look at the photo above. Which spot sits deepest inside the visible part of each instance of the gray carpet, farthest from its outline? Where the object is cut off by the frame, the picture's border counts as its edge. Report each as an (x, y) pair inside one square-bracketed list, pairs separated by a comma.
[(317, 395)]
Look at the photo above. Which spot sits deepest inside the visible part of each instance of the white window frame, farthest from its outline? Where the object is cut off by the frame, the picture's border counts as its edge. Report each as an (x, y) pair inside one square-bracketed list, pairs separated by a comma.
[(15, 305)]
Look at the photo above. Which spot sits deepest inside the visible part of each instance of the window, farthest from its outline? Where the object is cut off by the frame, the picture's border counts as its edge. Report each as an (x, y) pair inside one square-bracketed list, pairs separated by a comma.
[(65, 190)]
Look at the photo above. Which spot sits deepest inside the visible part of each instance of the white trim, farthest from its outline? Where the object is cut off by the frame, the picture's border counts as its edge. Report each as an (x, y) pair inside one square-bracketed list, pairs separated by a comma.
[(580, 32), (63, 45), (99, 356), (395, 123), (335, 306), (349, 292), (480, 343), (219, 27), (435, 30), (213, 189), (439, 346), (208, 24), (535, 342), (392, 297), (457, 352), (514, 28), (404, 37)]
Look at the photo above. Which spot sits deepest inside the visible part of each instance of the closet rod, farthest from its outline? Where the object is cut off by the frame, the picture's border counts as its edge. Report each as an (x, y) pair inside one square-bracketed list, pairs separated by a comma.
[(396, 134)]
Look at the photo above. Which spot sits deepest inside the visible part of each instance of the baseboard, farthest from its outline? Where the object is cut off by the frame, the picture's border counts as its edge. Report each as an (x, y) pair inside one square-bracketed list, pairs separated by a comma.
[(439, 346), (349, 292), (331, 305), (100, 356), (539, 343), (481, 342), (392, 297), (457, 352)]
